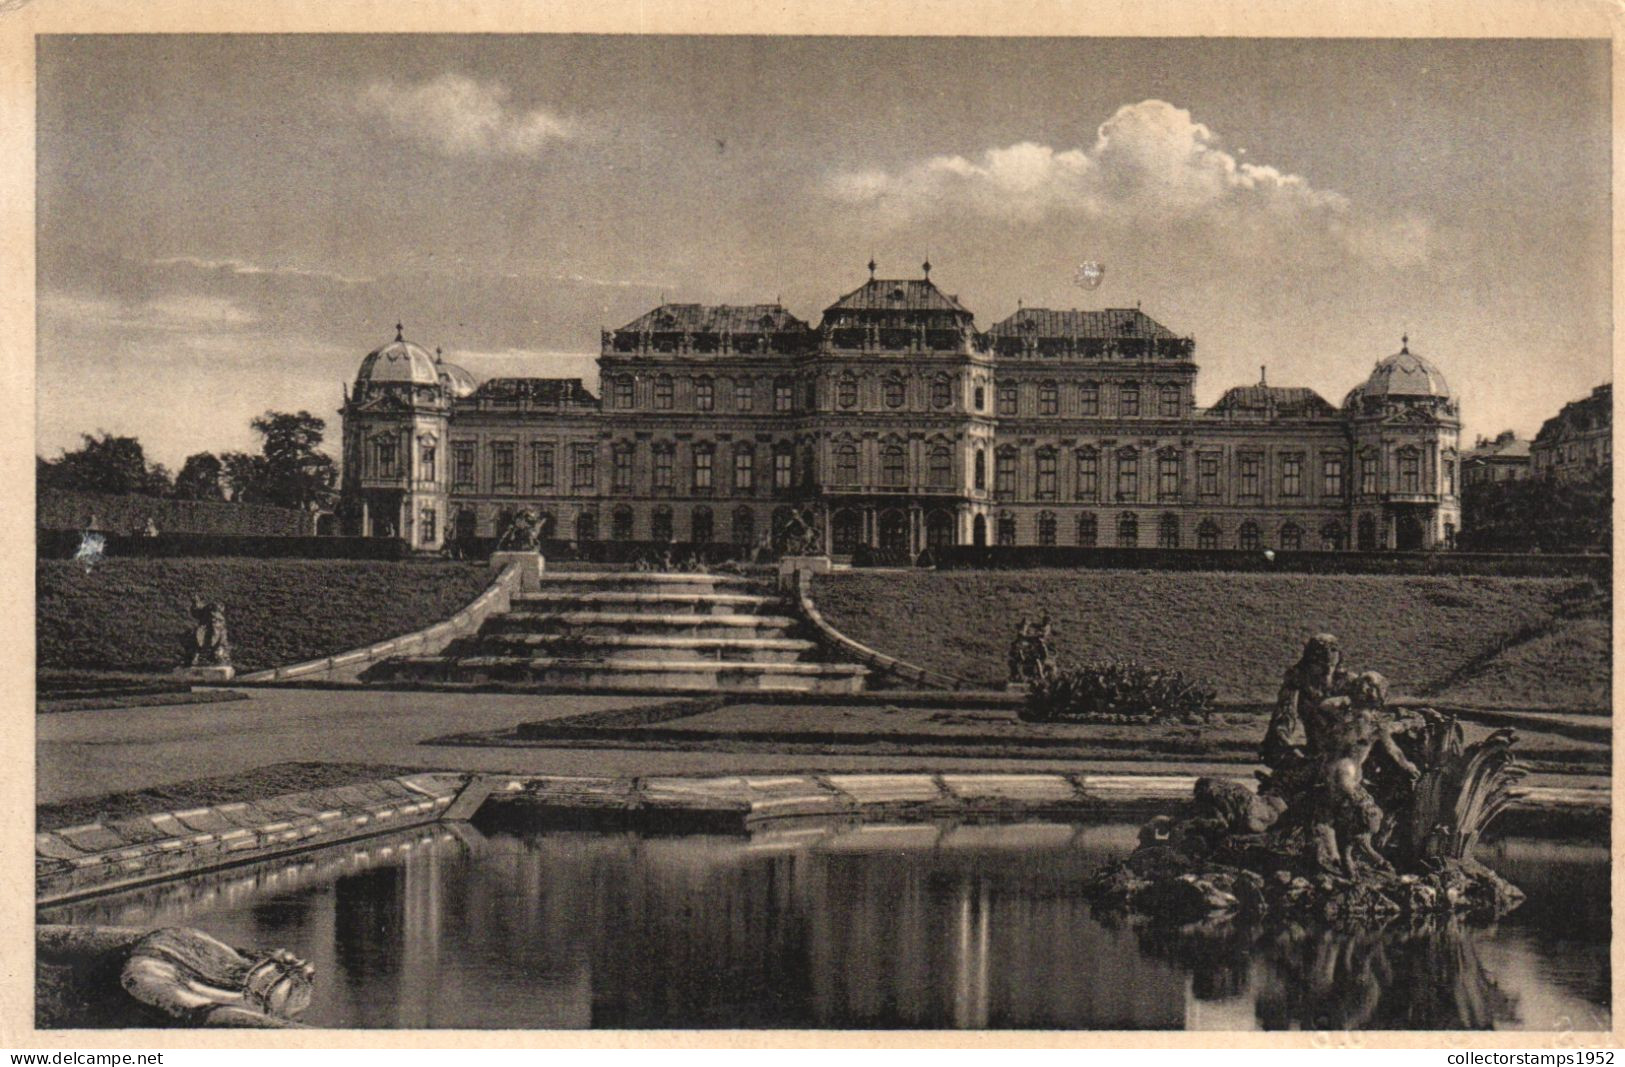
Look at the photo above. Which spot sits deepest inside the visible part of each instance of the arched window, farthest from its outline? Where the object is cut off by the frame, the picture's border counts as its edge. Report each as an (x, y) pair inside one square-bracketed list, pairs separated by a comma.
[(1128, 530), (663, 392), (942, 392), (1046, 528), (660, 524), (1247, 537), (1088, 530), (981, 398), (701, 525), (893, 391), (1207, 534), (744, 468), (1049, 398), (893, 470), (704, 462), (1291, 537), (705, 394), (1331, 537), (981, 469), (941, 469), (1168, 402), (846, 532), (1005, 529), (846, 391), (620, 523), (1367, 534), (1410, 470), (1168, 531), (846, 463), (744, 530), (587, 526)]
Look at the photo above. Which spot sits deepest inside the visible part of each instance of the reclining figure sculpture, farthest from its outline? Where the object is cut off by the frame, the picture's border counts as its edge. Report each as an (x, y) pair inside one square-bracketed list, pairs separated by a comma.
[(1363, 811)]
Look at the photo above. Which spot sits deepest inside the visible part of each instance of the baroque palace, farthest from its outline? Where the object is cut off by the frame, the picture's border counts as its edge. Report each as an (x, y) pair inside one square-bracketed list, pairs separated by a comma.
[(897, 424)]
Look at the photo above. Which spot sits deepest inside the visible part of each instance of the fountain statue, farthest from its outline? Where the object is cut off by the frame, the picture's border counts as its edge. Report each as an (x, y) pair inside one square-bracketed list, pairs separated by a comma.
[(1031, 657), (1365, 811), (207, 645)]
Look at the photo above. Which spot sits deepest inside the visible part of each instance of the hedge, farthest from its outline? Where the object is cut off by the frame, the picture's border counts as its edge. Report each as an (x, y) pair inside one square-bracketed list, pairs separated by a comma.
[(1031, 557), (62, 509), (64, 544)]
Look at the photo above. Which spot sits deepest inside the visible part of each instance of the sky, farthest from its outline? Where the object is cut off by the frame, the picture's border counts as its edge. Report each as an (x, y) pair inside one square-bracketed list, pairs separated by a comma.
[(228, 224)]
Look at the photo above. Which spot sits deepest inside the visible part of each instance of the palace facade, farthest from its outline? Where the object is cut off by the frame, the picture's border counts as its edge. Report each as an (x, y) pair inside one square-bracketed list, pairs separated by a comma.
[(896, 423)]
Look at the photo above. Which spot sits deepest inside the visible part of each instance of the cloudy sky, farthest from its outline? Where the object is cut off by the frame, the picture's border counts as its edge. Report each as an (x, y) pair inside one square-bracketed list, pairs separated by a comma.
[(228, 224)]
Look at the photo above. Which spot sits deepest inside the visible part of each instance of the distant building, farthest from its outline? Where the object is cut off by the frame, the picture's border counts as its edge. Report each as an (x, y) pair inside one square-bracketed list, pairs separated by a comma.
[(1578, 441), (1505, 459), (895, 423)]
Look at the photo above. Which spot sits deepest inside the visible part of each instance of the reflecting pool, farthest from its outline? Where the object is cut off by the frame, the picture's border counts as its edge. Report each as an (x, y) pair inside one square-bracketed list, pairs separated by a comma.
[(873, 926)]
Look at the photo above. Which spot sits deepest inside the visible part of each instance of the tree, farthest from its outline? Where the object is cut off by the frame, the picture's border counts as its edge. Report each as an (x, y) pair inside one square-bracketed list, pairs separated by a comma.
[(1539, 514), (104, 464), (201, 478), (288, 471), (244, 476)]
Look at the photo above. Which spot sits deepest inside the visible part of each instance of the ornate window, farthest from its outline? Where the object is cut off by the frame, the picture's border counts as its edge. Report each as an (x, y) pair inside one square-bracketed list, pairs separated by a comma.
[(1331, 476), (663, 392), (426, 527), (1049, 398), (1168, 401), (1128, 399), (1247, 537), (1005, 529), (784, 462), (1207, 534), (846, 463), (620, 475), (701, 526), (1331, 537), (744, 527), (1291, 537), (542, 474), (462, 464), (846, 391), (1251, 465), (1410, 471), (1128, 530), (1046, 474), (784, 395), (1168, 476), (1128, 475), (892, 465), (704, 455), (1046, 528), (587, 526), (1207, 474), (386, 456), (583, 464), (502, 465), (981, 469), (1367, 534), (1292, 474), (744, 394), (940, 469), (664, 454), (893, 392), (660, 528), (1368, 473), (1089, 398), (1004, 474), (1088, 530), (1088, 486), (744, 469), (620, 523), (624, 386), (1007, 398), (942, 392), (1168, 531), (705, 395), (981, 398), (426, 460)]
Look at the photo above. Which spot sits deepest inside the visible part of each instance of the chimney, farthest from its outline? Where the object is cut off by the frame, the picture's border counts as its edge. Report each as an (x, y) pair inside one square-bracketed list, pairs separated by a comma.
[(1262, 379)]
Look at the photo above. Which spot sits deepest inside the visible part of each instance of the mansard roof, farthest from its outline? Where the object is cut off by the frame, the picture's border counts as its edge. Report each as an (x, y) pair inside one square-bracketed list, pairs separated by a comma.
[(1107, 322), (1273, 401), (898, 294), (1592, 412), (715, 318), (539, 391)]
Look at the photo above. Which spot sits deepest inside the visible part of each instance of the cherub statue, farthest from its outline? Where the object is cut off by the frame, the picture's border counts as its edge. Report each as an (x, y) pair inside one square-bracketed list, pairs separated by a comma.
[(1345, 812), (1317, 675)]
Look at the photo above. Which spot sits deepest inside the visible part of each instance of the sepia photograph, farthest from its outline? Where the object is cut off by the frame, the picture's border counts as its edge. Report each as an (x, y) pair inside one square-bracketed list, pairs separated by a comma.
[(928, 532)]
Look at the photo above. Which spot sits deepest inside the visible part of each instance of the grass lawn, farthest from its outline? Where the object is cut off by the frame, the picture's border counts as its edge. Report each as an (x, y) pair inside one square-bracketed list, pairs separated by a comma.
[(1528, 642), (132, 614)]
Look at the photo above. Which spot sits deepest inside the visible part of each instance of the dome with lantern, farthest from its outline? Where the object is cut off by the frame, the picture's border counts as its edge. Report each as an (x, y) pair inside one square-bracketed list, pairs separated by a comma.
[(457, 381), (398, 363), (1404, 377)]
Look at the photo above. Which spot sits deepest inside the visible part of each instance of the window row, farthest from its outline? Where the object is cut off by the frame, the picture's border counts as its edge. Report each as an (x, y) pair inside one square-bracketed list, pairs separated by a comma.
[(662, 395), (1167, 467), (1131, 401), (1248, 536)]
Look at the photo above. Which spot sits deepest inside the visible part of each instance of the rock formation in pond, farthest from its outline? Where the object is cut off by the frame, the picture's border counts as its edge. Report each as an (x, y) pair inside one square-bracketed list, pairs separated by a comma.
[(1365, 813), (100, 976)]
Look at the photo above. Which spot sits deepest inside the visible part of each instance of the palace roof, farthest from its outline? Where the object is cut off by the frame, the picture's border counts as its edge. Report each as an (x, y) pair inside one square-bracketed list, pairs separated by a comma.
[(898, 294), (1273, 401), (715, 318), (1107, 322), (545, 392)]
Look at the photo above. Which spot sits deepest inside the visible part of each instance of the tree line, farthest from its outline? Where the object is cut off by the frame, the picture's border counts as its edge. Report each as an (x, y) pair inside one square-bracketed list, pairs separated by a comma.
[(1541, 514), (289, 470)]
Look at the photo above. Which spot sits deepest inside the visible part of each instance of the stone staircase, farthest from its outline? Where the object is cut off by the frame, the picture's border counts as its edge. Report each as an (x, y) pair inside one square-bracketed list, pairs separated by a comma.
[(619, 631)]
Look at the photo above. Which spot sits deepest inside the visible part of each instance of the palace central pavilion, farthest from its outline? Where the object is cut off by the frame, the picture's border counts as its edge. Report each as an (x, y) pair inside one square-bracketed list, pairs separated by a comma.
[(896, 423)]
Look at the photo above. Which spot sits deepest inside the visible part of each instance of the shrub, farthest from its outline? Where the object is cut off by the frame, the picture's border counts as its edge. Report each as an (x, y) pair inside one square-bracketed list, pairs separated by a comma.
[(1118, 691)]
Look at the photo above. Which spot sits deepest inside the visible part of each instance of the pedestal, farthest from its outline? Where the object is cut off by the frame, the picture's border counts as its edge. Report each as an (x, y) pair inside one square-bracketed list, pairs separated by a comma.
[(790, 566), (530, 568), (214, 672)]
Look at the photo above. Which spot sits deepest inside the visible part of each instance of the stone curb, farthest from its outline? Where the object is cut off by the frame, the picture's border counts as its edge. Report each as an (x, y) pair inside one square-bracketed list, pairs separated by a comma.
[(97, 857)]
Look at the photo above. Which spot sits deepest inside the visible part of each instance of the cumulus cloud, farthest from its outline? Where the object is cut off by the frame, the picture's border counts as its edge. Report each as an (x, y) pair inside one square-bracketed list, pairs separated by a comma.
[(178, 312), (458, 116), (244, 268), (1151, 164)]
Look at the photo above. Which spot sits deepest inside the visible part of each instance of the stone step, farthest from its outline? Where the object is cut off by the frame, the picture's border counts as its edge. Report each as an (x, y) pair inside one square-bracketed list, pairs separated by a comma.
[(646, 582), (660, 647), (705, 603), (545, 672), (612, 623)]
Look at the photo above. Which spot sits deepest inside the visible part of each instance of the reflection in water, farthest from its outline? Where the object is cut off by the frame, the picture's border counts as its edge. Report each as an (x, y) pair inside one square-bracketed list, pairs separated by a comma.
[(877, 926)]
